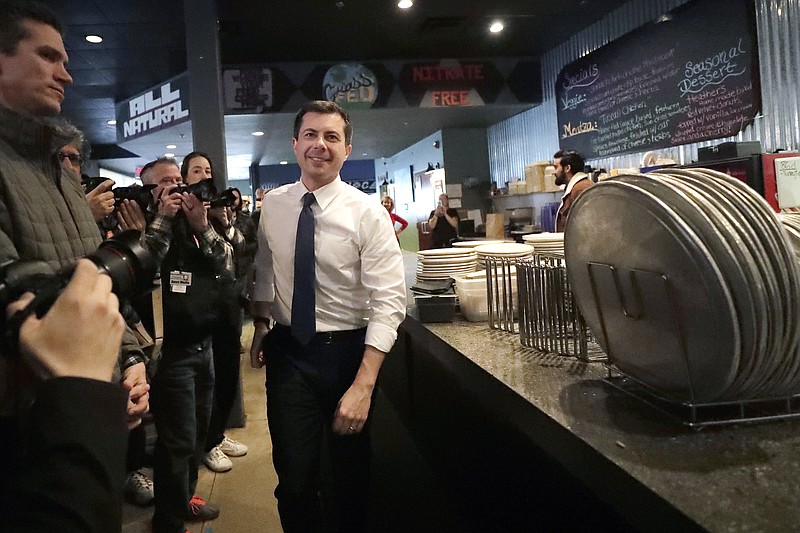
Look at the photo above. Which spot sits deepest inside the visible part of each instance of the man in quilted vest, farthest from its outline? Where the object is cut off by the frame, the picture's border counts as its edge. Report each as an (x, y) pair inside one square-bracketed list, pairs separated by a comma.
[(43, 213)]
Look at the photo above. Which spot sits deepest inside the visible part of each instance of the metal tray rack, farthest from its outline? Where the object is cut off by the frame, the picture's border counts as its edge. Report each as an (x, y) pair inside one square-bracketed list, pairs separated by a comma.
[(699, 415), (692, 413), (549, 319), (500, 293)]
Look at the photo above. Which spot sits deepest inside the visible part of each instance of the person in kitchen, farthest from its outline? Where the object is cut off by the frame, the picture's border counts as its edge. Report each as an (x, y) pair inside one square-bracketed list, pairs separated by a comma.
[(443, 222), (569, 171)]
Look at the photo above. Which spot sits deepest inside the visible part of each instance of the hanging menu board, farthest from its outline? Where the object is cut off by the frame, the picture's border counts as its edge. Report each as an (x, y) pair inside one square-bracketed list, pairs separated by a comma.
[(690, 76)]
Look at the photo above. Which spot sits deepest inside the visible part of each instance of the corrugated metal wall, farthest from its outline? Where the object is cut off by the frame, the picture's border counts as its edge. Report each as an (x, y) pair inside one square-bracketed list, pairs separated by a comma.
[(532, 136)]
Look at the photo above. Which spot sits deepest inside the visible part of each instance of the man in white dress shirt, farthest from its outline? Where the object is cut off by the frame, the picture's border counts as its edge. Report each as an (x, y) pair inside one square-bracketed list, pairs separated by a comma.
[(319, 394)]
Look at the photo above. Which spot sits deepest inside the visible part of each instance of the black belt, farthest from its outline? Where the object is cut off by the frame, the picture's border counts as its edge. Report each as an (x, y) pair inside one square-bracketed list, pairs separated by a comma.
[(327, 336)]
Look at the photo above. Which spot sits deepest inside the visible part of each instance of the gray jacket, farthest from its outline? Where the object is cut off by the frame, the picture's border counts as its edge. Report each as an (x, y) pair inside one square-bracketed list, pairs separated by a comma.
[(43, 214)]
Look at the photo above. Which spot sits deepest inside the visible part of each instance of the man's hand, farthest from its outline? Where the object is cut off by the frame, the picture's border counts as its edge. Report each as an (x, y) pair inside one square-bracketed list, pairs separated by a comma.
[(196, 212), (169, 204), (256, 353), (130, 216), (221, 214), (80, 335), (101, 200), (135, 381), (353, 409)]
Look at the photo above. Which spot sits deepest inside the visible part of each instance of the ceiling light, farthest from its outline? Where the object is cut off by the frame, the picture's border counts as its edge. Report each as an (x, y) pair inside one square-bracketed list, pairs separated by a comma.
[(364, 153), (496, 27), (171, 146), (284, 162), (112, 122), (94, 39), (169, 154), (258, 133), (405, 4)]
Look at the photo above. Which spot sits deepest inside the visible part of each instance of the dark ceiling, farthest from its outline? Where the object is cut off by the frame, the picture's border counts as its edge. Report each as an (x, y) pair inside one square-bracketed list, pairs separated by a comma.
[(144, 44)]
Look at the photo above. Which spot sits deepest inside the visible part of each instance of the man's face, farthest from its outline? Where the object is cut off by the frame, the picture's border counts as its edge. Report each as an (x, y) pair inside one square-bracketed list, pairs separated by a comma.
[(560, 173), (164, 176), (199, 170), (320, 148), (32, 80), (70, 158)]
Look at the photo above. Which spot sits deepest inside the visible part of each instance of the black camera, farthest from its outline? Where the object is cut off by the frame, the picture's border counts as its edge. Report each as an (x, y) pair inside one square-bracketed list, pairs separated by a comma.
[(226, 198), (205, 191), (90, 183), (142, 195), (130, 266)]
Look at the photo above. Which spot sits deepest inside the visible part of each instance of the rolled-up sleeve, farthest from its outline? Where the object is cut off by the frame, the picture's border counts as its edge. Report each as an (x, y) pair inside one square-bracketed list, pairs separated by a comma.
[(383, 275)]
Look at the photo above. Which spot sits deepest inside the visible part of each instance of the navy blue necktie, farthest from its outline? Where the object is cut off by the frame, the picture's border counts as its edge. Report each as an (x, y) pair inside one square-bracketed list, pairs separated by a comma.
[(304, 321)]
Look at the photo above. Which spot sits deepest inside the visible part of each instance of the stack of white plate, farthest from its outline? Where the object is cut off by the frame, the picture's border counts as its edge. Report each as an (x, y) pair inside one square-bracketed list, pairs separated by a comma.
[(692, 286), (473, 244), (505, 250), (546, 243), (443, 263)]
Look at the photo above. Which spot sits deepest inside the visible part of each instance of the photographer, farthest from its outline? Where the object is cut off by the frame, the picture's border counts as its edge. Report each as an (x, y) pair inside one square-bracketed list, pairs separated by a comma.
[(43, 214), (226, 332), (195, 262), (72, 156), (76, 426)]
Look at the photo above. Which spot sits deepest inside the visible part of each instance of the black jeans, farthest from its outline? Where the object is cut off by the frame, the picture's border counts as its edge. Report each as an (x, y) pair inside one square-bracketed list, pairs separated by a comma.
[(323, 477), (227, 373), (181, 399)]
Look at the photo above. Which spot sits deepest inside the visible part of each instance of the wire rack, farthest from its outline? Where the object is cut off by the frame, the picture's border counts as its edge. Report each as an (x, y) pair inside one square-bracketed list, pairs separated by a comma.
[(549, 319), (501, 291), (698, 415), (692, 413)]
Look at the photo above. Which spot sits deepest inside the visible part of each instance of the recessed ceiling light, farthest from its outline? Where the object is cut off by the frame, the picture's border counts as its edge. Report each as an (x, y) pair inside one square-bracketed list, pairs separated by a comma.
[(258, 133), (169, 154), (94, 39), (112, 122), (405, 4), (171, 146), (284, 163), (496, 27)]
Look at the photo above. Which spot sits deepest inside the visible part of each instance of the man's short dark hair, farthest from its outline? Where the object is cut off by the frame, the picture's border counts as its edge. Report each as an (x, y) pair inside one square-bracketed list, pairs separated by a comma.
[(324, 107), (558, 155), (188, 159), (12, 13), (160, 161), (575, 161)]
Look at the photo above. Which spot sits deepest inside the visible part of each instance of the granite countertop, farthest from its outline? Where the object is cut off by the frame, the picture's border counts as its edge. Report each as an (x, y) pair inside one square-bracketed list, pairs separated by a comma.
[(741, 477)]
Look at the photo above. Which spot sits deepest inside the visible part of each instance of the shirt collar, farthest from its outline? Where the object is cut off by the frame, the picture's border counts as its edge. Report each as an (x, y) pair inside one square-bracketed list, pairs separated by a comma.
[(324, 195)]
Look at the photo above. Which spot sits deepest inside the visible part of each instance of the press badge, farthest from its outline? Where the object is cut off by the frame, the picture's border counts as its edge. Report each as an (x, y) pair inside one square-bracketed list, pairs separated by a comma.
[(179, 281)]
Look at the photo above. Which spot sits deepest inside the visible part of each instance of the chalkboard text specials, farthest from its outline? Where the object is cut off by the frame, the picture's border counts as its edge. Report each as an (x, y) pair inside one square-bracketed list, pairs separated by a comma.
[(692, 76)]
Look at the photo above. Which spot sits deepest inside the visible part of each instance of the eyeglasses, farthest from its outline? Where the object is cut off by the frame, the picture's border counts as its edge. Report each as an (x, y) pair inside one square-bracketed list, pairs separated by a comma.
[(75, 159)]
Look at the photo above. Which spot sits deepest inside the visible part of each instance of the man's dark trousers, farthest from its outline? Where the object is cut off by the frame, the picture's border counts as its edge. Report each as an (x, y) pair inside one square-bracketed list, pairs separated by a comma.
[(323, 477), (181, 399)]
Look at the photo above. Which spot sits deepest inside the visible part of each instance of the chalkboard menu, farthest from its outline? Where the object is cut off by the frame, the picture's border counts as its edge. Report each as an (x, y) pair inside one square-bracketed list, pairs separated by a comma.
[(690, 76)]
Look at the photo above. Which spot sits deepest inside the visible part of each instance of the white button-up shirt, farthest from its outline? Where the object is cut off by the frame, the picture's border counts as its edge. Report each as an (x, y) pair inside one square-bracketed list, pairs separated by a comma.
[(360, 279)]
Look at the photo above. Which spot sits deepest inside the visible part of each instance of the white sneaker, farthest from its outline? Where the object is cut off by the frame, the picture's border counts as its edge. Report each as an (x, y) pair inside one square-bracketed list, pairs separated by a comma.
[(217, 461), (139, 488), (232, 448)]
